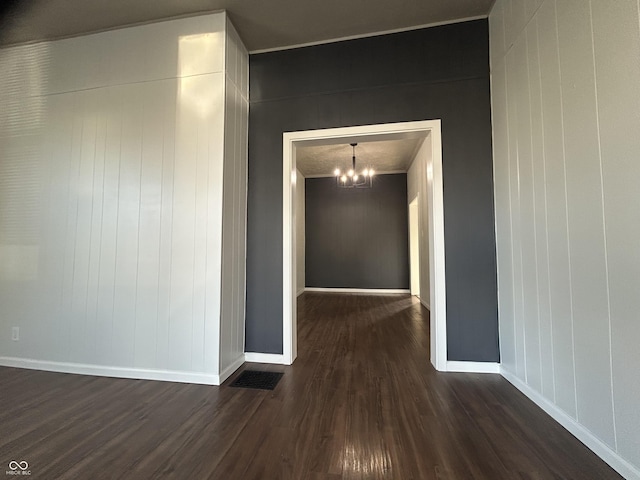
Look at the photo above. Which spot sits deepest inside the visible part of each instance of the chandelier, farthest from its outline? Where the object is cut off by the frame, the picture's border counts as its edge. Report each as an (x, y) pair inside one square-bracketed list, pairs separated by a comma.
[(351, 178)]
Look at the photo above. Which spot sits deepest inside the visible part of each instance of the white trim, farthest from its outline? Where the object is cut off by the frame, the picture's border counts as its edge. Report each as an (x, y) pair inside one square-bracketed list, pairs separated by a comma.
[(117, 372), (300, 291), (432, 128), (367, 35), (370, 291), (264, 358), (227, 372), (605, 452), (473, 367), (424, 304)]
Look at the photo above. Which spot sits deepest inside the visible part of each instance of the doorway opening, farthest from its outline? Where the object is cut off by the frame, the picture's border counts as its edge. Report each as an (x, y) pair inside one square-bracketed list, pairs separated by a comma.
[(430, 177)]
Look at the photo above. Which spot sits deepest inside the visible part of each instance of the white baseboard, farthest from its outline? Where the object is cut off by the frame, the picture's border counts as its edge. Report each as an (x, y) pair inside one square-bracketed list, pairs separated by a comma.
[(605, 452), (117, 372), (227, 372), (473, 367), (264, 358), (425, 304), (300, 292), (374, 291)]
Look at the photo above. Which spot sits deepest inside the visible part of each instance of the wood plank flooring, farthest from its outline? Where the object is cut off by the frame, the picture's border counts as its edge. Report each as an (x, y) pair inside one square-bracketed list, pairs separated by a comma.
[(360, 402)]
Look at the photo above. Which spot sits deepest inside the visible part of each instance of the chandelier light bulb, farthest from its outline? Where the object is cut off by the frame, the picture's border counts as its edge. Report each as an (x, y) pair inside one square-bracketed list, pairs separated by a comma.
[(366, 172), (343, 178), (350, 173), (355, 178), (371, 173), (336, 172)]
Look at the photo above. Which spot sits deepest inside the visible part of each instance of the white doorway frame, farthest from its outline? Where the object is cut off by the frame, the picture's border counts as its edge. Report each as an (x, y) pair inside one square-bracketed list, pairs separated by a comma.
[(438, 318)]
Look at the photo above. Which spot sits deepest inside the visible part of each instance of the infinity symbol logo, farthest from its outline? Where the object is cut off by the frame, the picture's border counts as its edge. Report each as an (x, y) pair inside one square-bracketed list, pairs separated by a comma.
[(23, 465)]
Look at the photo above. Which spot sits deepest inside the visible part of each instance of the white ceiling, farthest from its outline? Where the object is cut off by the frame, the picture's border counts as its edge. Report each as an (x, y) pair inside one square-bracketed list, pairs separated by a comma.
[(262, 24), (383, 156)]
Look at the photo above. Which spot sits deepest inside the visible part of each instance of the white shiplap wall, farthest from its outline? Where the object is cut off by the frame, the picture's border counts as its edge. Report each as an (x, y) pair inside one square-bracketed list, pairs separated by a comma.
[(234, 203), (566, 117), (113, 150)]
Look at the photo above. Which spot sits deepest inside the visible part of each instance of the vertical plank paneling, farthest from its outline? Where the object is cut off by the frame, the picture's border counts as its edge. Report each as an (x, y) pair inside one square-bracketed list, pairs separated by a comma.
[(200, 232), (84, 195), (559, 275), (55, 248), (500, 122), (128, 197), (242, 195), (52, 261), (530, 331), (108, 250), (540, 208), (166, 225), (76, 103), (93, 284), (239, 214), (183, 237), (586, 229), (514, 193), (503, 214), (616, 31), (234, 203), (226, 308), (149, 228), (214, 232), (235, 165), (126, 259), (574, 199)]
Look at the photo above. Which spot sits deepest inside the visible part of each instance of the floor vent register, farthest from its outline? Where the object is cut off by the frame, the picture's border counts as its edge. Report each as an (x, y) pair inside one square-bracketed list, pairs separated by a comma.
[(257, 379)]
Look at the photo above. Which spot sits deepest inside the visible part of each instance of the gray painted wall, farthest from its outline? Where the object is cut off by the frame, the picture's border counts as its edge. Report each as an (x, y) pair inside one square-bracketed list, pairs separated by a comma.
[(435, 73), (357, 238)]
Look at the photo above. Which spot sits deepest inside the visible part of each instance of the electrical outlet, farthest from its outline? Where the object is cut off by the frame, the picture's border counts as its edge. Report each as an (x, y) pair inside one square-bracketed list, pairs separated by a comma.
[(15, 334)]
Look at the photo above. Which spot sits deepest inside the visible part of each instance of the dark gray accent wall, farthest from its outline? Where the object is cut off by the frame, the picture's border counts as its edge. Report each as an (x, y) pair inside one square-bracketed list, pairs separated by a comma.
[(357, 238), (434, 73)]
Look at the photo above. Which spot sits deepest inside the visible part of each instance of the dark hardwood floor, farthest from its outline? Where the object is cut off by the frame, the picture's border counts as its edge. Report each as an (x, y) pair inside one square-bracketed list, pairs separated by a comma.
[(361, 402)]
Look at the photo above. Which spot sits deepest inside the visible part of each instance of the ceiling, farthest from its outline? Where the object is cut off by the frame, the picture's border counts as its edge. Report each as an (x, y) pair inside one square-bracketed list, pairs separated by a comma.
[(383, 156), (262, 24)]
